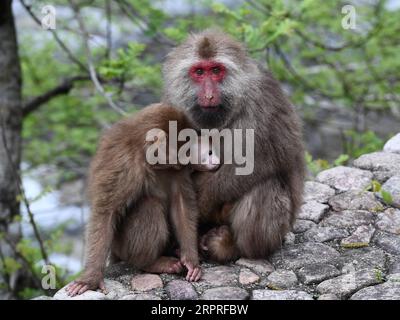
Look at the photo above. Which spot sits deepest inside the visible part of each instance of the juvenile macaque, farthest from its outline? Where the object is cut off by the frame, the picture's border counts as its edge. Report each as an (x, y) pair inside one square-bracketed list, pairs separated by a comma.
[(133, 202), (213, 80)]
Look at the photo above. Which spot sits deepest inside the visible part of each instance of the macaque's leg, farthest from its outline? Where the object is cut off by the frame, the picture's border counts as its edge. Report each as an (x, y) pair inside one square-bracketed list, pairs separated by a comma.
[(99, 238), (261, 219), (143, 237), (219, 245), (184, 214), (165, 265)]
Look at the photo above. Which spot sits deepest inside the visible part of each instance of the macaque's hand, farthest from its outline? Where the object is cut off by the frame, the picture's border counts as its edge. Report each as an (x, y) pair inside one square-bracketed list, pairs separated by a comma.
[(86, 282), (193, 269)]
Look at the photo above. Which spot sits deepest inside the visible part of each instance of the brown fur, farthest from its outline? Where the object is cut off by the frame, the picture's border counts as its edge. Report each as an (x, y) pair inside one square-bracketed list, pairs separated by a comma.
[(132, 203), (264, 203)]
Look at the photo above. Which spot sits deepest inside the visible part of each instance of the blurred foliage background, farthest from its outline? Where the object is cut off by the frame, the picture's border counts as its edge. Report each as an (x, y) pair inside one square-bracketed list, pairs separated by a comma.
[(104, 60)]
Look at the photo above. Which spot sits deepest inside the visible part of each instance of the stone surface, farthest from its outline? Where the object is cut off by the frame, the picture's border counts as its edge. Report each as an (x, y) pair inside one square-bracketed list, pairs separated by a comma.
[(247, 277), (88, 295), (344, 285), (115, 289), (345, 244), (393, 187), (362, 258), (259, 266), (281, 279), (313, 211), (315, 273), (389, 221), (43, 298), (393, 144), (289, 238), (384, 163), (349, 218), (388, 241), (180, 290), (301, 226), (355, 200), (384, 291), (299, 255), (146, 282), (328, 296), (280, 295), (141, 296), (315, 191), (225, 293), (359, 238), (322, 234), (345, 178), (218, 276)]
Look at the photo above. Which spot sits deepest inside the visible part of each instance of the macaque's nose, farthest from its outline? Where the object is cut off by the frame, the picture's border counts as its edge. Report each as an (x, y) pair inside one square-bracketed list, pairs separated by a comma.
[(209, 97)]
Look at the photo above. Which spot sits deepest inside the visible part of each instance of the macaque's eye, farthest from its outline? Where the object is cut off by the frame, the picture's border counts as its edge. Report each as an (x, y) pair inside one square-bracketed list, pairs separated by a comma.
[(210, 152), (199, 71), (216, 70)]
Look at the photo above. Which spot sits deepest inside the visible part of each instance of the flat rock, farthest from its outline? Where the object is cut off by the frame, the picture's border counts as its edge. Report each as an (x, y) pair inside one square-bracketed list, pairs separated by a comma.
[(362, 258), (393, 144), (315, 273), (385, 291), (289, 238), (359, 238), (141, 296), (349, 218), (115, 289), (328, 296), (43, 298), (280, 295), (384, 163), (389, 221), (322, 234), (88, 295), (344, 285), (301, 226), (345, 178), (393, 187), (146, 282), (225, 293), (388, 241), (315, 191), (260, 266), (247, 277), (355, 200), (298, 255), (181, 290), (281, 279), (218, 276), (313, 211)]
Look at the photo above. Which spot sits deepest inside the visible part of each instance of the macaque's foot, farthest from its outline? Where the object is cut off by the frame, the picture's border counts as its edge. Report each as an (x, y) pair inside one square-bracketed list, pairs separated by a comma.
[(218, 245), (193, 270), (82, 285), (165, 265)]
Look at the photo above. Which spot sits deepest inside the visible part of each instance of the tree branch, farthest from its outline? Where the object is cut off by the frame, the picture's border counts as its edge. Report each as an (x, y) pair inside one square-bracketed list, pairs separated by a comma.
[(63, 88)]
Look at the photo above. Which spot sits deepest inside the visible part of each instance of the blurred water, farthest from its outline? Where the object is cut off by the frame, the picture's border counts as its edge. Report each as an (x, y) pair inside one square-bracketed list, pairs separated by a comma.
[(49, 214)]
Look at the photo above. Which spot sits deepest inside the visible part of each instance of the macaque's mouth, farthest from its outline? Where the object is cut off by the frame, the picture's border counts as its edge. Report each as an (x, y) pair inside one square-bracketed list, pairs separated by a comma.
[(210, 108)]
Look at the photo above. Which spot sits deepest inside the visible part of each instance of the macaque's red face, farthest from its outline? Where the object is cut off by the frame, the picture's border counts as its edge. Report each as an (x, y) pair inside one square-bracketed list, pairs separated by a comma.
[(207, 75)]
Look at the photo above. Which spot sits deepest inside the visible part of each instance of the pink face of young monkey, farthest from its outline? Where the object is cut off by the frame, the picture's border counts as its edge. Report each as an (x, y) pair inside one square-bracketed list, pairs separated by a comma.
[(208, 159)]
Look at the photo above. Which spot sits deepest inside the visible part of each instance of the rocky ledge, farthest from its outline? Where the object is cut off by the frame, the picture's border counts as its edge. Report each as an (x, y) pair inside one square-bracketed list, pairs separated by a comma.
[(344, 245)]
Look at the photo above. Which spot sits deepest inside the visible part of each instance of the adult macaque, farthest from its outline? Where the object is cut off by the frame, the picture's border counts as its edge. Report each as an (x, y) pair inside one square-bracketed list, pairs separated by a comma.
[(211, 78), (133, 201)]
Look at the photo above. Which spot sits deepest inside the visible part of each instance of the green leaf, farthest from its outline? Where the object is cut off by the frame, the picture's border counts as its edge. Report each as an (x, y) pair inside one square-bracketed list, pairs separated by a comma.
[(387, 197)]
